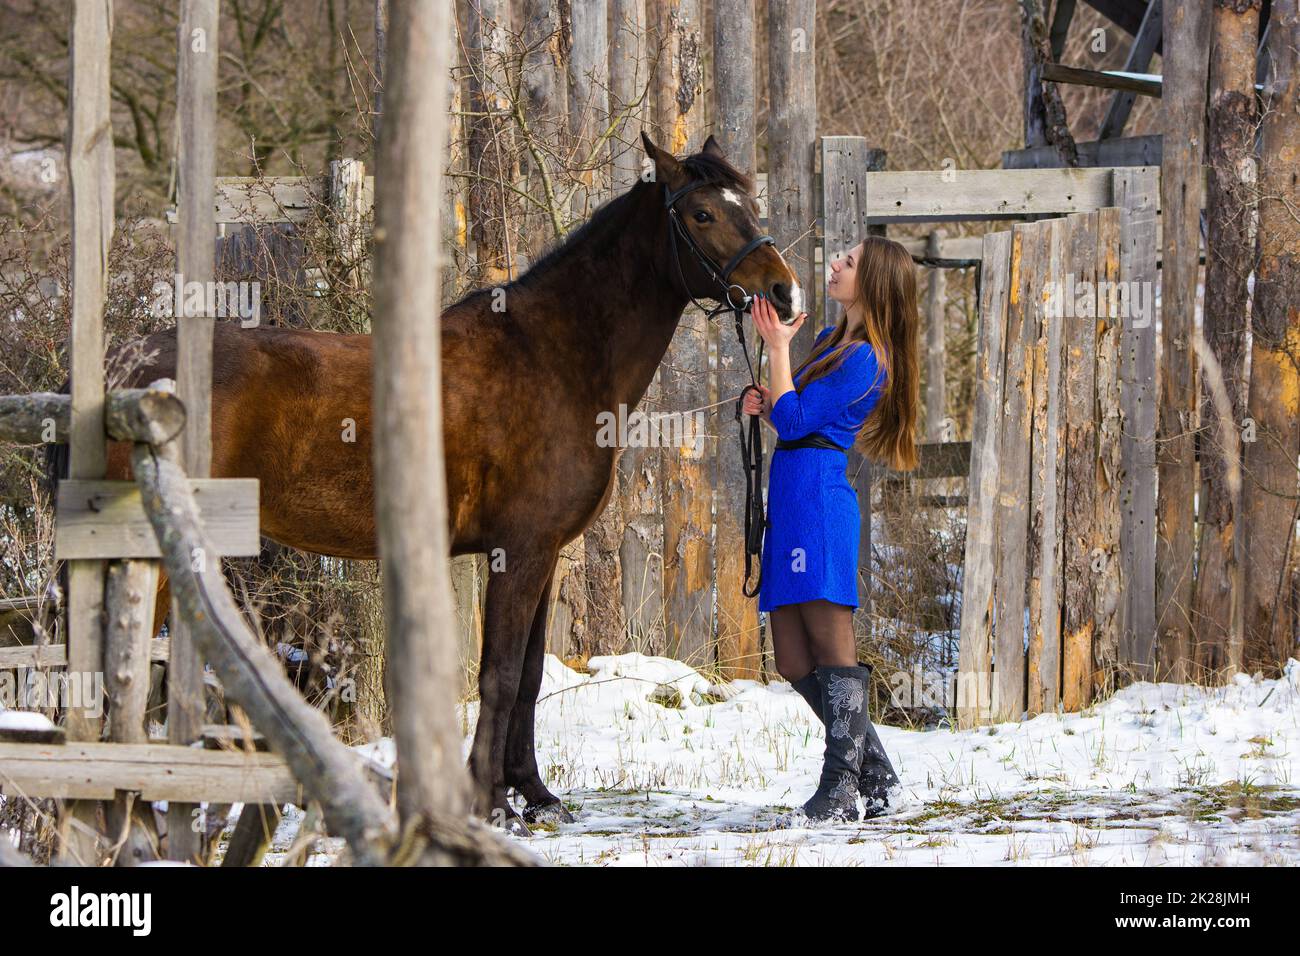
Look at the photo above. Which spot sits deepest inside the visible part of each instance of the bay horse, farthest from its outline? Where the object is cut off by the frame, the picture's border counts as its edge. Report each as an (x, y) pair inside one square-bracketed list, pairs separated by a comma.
[(528, 368)]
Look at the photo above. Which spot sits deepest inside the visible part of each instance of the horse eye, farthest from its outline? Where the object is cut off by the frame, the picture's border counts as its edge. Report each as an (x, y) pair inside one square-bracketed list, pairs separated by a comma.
[(702, 216)]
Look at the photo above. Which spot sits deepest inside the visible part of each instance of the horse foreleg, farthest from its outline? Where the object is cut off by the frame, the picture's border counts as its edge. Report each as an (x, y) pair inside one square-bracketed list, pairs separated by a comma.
[(513, 596), (521, 755)]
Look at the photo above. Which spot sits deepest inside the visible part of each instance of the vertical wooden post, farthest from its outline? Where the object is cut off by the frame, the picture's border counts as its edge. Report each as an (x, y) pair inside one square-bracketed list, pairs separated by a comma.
[(1230, 239), (628, 79), (489, 145), (350, 206), (739, 639), (791, 146), (381, 58), (845, 162), (544, 84), (1079, 486), (1136, 192), (1028, 242), (1186, 42), (640, 544), (982, 541), (410, 484), (129, 600), (1269, 495), (685, 482), (936, 408), (91, 171), (196, 238), (588, 66), (1108, 566)]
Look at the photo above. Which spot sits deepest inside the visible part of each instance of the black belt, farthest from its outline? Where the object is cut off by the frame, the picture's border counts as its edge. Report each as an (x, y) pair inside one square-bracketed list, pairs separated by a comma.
[(809, 441)]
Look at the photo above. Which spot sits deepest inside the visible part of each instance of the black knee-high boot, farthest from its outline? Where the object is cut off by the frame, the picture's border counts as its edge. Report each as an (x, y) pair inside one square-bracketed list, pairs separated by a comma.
[(844, 712), (876, 776)]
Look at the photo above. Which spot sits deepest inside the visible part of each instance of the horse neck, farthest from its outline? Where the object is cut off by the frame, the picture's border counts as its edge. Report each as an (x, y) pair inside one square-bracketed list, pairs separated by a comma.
[(619, 306)]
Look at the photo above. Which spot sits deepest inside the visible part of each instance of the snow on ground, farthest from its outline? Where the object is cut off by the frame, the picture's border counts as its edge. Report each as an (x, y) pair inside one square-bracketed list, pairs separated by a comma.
[(1160, 774)]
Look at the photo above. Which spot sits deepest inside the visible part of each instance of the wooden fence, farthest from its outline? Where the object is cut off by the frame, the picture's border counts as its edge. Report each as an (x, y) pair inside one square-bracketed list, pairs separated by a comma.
[(1059, 583)]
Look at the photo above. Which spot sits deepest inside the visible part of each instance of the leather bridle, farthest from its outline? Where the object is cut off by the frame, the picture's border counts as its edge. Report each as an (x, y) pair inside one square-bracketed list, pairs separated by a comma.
[(751, 444)]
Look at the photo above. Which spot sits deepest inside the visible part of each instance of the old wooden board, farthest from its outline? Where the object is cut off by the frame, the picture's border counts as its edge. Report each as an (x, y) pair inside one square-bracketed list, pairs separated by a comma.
[(154, 771), (106, 519), (975, 656)]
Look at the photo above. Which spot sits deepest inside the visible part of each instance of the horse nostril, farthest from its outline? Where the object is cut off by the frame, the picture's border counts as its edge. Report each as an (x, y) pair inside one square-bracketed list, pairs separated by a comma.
[(780, 294)]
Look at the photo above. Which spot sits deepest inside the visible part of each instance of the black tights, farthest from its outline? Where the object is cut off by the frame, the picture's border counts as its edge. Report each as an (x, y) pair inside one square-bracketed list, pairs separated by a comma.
[(812, 634)]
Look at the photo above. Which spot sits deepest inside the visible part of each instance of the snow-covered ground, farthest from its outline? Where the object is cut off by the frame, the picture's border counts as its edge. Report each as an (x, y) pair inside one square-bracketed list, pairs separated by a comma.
[(1160, 774)]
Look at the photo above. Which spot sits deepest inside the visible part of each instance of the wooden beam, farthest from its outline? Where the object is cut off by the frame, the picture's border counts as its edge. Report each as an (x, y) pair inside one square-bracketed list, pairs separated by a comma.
[(1139, 58), (982, 194), (106, 519), (135, 414), (96, 771), (1061, 17), (56, 655), (1127, 151), (1098, 78)]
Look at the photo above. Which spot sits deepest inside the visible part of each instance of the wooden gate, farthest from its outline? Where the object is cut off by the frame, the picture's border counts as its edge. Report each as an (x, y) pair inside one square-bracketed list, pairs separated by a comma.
[(1058, 590)]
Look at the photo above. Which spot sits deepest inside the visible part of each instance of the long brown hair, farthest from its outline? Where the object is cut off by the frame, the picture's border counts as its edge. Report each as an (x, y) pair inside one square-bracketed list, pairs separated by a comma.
[(886, 290)]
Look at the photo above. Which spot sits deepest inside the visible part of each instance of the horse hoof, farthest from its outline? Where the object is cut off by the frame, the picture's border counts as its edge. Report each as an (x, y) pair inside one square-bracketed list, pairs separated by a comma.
[(551, 812), (511, 822)]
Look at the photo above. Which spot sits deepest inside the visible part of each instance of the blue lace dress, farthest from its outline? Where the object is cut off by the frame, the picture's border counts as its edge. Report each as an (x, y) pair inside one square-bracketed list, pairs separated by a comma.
[(810, 549)]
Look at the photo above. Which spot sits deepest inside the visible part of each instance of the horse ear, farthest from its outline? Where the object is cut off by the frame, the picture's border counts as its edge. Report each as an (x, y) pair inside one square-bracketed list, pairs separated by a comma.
[(667, 167), (711, 148)]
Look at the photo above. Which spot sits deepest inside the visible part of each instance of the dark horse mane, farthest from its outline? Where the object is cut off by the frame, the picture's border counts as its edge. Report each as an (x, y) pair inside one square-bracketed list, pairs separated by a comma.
[(703, 168)]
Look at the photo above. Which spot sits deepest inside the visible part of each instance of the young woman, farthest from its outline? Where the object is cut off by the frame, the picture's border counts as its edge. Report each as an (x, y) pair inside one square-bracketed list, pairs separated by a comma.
[(859, 384)]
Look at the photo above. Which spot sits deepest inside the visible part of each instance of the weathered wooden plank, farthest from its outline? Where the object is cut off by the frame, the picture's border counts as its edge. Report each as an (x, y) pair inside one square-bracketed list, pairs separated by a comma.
[(1079, 488), (105, 519), (936, 411), (1105, 548), (1027, 244), (1059, 73), (975, 656), (948, 195), (272, 199), (1047, 482), (56, 655), (1126, 151), (97, 771), (1135, 193)]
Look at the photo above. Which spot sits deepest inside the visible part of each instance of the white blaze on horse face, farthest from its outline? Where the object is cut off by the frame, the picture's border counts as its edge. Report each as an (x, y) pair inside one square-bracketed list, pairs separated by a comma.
[(796, 299), (731, 196)]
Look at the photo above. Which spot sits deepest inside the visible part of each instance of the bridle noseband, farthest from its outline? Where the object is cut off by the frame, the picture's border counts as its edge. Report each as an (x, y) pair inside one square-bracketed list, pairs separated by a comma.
[(720, 276), (751, 445)]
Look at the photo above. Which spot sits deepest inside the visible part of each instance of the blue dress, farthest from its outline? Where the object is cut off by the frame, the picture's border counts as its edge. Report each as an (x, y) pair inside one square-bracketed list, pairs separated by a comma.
[(810, 549)]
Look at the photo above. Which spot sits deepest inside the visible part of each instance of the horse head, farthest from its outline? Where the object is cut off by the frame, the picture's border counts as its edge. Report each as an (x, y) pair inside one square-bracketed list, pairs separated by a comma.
[(717, 244)]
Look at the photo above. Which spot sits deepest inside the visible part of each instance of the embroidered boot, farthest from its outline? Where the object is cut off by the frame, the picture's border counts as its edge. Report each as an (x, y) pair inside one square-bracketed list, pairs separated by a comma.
[(844, 712), (876, 777)]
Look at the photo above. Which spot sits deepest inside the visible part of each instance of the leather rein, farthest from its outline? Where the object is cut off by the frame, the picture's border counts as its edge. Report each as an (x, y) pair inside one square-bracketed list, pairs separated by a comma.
[(751, 439)]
